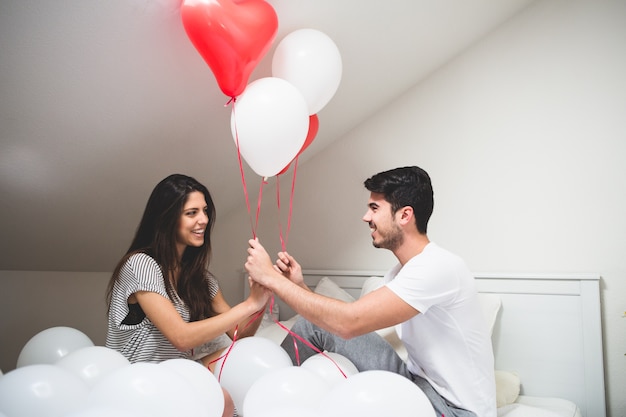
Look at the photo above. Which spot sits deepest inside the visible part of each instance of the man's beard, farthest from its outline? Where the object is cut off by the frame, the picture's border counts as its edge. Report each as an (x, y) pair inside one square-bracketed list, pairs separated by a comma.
[(391, 240)]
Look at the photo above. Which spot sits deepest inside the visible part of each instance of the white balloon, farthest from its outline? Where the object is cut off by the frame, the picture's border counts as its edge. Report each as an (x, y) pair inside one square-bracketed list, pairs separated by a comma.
[(92, 363), (375, 394), (249, 359), (49, 345), (269, 122), (292, 386), (330, 366), (208, 390), (147, 388), (289, 411), (311, 61), (104, 411), (41, 390)]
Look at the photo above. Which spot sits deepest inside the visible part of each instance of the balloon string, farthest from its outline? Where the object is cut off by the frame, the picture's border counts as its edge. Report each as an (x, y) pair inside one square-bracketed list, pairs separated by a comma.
[(283, 242), (225, 355), (293, 187), (243, 177), (258, 207), (296, 337)]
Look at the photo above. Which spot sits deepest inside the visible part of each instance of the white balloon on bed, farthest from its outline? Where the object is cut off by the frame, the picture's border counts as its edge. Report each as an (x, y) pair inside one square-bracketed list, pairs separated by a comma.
[(50, 345), (375, 394), (105, 411), (147, 388), (331, 366), (92, 363), (208, 390), (41, 390), (290, 411), (249, 359), (293, 386)]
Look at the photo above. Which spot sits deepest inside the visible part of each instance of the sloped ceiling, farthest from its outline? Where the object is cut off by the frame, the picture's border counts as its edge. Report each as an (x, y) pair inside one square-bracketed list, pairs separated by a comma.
[(99, 100)]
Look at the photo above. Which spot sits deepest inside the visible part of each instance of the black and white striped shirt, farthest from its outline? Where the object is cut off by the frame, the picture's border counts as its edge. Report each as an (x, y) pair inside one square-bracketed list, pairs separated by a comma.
[(143, 342)]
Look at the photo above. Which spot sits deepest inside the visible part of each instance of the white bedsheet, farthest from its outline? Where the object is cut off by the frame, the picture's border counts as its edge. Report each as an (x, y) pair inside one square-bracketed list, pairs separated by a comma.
[(527, 406)]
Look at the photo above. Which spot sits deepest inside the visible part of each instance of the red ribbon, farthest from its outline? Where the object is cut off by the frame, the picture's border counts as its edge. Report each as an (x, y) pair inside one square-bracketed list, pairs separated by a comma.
[(283, 243)]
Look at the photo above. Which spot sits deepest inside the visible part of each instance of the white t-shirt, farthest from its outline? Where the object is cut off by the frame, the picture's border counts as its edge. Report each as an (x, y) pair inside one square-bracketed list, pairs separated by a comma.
[(448, 343)]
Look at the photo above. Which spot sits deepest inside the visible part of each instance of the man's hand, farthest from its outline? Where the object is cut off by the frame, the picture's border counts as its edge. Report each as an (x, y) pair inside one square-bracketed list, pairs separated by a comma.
[(290, 268)]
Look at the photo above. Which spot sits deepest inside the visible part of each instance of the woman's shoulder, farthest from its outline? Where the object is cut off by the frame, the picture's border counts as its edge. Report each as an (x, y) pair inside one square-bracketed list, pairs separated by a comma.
[(212, 282), (141, 261), (141, 257)]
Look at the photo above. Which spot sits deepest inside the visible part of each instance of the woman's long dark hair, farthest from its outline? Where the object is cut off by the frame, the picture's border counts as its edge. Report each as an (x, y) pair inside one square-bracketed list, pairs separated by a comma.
[(157, 234)]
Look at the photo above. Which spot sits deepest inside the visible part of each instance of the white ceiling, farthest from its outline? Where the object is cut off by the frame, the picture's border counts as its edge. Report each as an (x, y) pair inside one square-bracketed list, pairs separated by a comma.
[(102, 99)]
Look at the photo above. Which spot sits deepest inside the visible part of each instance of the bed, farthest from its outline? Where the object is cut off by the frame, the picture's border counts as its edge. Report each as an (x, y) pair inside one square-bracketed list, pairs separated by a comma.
[(546, 334)]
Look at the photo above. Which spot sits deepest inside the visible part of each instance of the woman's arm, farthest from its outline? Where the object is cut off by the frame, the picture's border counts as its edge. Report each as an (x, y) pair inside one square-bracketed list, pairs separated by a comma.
[(185, 336), (249, 325)]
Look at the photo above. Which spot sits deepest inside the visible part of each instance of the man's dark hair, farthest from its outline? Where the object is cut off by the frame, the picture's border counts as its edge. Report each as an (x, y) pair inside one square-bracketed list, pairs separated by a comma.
[(406, 186)]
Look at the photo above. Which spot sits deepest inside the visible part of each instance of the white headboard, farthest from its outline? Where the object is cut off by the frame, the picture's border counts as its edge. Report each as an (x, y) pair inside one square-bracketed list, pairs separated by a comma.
[(548, 331)]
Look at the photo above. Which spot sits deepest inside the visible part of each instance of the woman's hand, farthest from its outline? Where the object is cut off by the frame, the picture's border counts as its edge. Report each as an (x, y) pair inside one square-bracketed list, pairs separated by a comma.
[(259, 265), (259, 295)]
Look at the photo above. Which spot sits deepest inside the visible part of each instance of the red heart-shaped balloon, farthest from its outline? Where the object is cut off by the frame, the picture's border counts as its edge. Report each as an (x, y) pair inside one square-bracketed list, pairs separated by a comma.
[(231, 36)]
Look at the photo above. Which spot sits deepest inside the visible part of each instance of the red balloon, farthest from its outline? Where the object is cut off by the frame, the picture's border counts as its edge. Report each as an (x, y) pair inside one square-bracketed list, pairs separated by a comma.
[(314, 125), (231, 36)]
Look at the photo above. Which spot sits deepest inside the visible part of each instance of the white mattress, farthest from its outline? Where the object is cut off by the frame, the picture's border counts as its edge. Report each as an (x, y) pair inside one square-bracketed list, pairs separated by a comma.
[(527, 406)]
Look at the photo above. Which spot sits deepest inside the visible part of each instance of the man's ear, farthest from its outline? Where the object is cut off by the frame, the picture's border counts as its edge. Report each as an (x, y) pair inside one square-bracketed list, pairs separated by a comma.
[(405, 215)]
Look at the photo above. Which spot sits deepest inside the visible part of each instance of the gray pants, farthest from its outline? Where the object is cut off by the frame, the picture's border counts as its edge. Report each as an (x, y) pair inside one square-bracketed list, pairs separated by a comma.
[(367, 352)]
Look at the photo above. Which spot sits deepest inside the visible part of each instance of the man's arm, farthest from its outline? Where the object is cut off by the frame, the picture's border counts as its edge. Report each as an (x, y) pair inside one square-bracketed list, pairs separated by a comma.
[(376, 310)]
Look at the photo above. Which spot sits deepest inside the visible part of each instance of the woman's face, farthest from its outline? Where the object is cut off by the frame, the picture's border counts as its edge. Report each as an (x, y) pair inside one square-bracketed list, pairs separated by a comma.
[(193, 222)]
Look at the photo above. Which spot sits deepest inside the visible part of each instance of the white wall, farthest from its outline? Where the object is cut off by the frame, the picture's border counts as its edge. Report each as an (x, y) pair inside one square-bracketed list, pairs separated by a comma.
[(524, 136), (33, 301)]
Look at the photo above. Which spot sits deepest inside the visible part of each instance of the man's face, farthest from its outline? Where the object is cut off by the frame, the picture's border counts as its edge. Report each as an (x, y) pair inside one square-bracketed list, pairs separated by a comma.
[(386, 233)]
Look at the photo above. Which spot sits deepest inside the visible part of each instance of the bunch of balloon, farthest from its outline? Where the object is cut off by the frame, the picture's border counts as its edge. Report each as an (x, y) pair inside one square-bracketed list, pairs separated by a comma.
[(232, 37), (275, 119)]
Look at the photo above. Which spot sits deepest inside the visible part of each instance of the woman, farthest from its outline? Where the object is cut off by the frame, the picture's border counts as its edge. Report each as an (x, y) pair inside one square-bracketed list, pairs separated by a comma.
[(162, 301)]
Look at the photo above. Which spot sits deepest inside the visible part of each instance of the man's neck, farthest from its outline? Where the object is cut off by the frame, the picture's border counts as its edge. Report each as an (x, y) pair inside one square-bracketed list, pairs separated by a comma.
[(411, 247)]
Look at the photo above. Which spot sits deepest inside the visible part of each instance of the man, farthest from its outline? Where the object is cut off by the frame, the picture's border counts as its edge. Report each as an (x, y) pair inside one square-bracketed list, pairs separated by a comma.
[(430, 294)]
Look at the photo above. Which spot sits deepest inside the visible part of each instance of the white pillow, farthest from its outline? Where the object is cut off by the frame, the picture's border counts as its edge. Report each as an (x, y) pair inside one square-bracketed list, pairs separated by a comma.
[(507, 388), (329, 288), (371, 284)]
